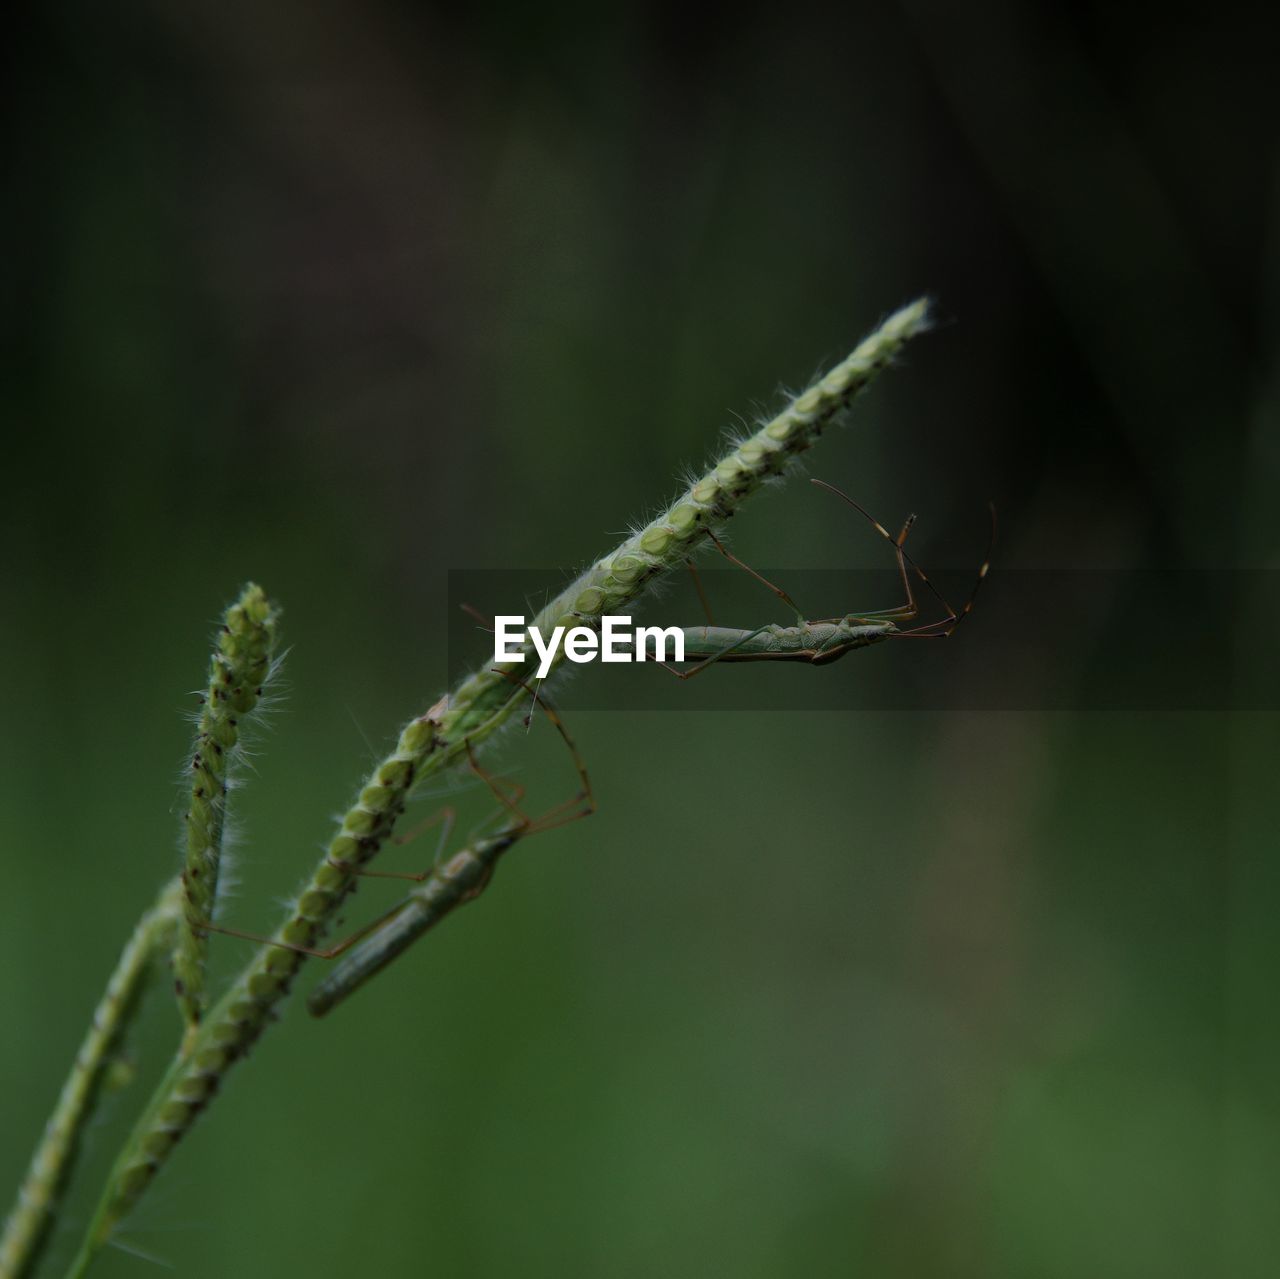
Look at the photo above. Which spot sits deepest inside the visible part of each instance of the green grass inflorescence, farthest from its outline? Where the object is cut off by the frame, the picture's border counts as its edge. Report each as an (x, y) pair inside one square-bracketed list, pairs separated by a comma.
[(238, 668), (438, 739)]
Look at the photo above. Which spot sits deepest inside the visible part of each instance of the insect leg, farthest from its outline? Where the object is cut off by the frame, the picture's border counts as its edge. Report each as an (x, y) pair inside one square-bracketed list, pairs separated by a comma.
[(908, 609), (744, 638), (584, 798), (331, 952), (702, 595), (777, 590), (509, 800), (446, 817)]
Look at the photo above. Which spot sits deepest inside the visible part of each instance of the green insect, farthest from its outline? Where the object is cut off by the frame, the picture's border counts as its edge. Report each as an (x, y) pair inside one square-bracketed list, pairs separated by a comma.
[(445, 886), (825, 639), (465, 875), (448, 885)]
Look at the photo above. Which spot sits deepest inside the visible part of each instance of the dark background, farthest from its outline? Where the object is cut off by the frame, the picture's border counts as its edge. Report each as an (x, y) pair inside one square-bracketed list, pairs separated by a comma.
[(341, 297)]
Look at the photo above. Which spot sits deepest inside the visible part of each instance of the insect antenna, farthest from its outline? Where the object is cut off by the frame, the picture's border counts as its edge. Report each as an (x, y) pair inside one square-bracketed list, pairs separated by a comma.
[(949, 624), (486, 623)]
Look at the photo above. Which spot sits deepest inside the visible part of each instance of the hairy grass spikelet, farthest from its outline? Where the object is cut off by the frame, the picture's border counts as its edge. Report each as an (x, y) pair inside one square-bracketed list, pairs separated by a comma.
[(238, 668)]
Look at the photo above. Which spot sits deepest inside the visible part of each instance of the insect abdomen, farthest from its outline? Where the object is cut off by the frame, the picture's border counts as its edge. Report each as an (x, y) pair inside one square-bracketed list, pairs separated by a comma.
[(460, 879)]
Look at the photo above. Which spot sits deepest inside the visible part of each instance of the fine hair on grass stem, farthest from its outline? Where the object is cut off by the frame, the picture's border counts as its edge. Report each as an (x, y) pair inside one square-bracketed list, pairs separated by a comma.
[(238, 669)]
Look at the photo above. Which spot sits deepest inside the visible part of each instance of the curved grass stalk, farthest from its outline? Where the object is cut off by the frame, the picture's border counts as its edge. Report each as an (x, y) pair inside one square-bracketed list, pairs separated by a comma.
[(440, 738), (28, 1223), (239, 666)]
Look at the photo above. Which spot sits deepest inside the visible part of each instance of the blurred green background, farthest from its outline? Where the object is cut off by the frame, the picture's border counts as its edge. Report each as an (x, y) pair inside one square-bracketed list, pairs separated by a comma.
[(339, 297)]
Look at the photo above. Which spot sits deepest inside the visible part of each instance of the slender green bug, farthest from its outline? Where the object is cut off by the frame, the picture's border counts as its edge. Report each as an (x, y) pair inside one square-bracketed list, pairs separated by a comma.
[(823, 640), (445, 886)]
